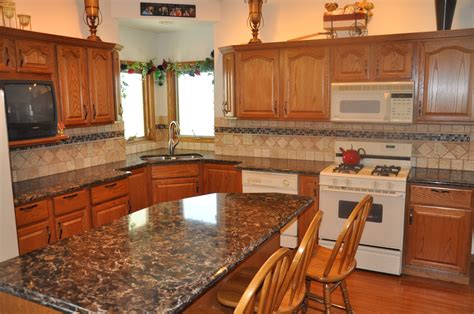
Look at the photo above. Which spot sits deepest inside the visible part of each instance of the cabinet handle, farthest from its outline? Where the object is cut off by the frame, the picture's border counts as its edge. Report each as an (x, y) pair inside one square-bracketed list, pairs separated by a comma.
[(22, 59), (419, 108), (315, 192), (377, 69), (197, 188), (94, 112), (109, 186), (70, 196), (440, 191), (410, 220), (275, 107), (49, 234), (60, 230), (366, 68), (28, 207), (129, 208), (286, 108), (86, 113), (7, 55)]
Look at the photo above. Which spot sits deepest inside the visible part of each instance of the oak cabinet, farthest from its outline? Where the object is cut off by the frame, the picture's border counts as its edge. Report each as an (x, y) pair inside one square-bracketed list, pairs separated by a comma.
[(306, 83), (174, 182), (257, 83), (34, 237), (446, 80), (107, 212), (7, 55), (73, 79), (34, 56), (221, 178), (377, 61), (101, 85), (139, 189), (307, 186), (72, 214), (438, 239)]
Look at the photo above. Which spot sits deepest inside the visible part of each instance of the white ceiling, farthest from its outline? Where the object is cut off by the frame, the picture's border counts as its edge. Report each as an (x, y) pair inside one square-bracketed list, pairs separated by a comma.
[(162, 24)]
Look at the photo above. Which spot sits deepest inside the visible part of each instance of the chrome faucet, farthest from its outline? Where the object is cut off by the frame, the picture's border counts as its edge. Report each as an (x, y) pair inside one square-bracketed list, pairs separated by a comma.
[(173, 137)]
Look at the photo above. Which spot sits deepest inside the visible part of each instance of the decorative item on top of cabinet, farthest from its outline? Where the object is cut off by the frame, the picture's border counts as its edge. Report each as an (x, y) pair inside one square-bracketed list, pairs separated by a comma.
[(35, 226), (34, 56), (7, 55), (228, 67), (306, 83), (110, 201), (307, 186), (428, 251), (257, 83), (221, 178), (72, 214), (255, 19), (174, 182), (446, 80), (101, 85), (139, 183)]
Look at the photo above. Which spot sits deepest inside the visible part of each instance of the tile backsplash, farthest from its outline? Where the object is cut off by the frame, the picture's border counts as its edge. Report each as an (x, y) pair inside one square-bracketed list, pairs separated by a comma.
[(434, 145)]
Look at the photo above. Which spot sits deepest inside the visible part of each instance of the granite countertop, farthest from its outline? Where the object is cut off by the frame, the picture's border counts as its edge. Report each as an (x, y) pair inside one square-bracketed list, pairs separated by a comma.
[(159, 259), (442, 177), (50, 186)]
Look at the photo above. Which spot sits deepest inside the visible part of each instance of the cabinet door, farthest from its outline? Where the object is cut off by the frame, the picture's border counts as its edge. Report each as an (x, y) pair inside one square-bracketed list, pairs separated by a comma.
[(139, 194), (439, 238), (306, 83), (220, 178), (351, 63), (392, 61), (446, 80), (72, 69), (307, 186), (7, 55), (257, 84), (35, 56), (71, 224), (34, 237), (101, 85), (174, 189), (110, 211), (228, 67)]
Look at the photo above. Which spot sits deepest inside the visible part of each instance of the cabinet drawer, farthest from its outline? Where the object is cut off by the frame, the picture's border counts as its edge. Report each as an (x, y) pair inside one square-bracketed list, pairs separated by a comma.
[(109, 191), (70, 202), (33, 237), (175, 171), (440, 196), (30, 213), (107, 212)]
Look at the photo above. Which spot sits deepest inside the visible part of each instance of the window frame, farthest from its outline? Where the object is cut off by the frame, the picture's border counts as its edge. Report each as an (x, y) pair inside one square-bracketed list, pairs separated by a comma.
[(172, 91), (148, 87)]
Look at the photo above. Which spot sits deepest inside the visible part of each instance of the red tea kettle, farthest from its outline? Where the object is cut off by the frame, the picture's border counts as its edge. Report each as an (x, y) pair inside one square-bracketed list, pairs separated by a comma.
[(352, 156)]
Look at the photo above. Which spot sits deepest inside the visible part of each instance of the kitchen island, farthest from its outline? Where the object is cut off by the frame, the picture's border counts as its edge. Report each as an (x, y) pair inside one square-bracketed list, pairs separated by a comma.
[(160, 259)]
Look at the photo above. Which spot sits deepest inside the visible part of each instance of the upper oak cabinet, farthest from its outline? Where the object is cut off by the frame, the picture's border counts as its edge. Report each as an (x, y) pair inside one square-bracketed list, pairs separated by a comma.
[(34, 56), (257, 74), (306, 83), (7, 55), (371, 62), (446, 80)]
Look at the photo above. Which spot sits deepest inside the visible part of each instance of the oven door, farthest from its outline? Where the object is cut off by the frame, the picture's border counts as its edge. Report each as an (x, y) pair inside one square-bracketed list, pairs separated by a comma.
[(384, 226), (360, 106)]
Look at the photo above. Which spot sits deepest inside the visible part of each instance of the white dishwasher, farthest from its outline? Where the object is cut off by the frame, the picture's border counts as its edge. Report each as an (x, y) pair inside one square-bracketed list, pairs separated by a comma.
[(270, 182)]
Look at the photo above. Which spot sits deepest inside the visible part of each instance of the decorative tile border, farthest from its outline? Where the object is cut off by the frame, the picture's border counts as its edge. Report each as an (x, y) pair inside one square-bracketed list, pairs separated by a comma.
[(438, 137), (75, 139)]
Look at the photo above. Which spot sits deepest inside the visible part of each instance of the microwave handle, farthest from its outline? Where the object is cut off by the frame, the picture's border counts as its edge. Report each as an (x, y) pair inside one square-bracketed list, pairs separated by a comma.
[(387, 98)]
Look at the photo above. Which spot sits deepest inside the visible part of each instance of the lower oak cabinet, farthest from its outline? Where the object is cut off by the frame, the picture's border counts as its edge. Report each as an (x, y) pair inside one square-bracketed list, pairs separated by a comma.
[(221, 178), (307, 186), (109, 202), (174, 182), (438, 238), (139, 188), (72, 214), (35, 229)]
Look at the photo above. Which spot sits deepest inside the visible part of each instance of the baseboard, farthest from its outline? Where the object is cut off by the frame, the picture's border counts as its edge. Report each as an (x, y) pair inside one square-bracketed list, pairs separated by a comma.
[(436, 274)]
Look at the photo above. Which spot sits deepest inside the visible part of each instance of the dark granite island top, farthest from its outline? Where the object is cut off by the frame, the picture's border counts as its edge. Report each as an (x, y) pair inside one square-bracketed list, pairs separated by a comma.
[(158, 259)]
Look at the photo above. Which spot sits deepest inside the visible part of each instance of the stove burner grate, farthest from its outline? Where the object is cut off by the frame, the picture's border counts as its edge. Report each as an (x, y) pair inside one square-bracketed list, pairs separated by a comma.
[(386, 171), (345, 168)]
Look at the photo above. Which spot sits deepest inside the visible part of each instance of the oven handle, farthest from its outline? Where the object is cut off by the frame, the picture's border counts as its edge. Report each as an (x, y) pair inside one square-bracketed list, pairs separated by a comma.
[(331, 189)]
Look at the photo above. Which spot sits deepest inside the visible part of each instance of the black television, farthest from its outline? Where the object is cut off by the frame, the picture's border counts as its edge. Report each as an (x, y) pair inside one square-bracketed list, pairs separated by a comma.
[(30, 108)]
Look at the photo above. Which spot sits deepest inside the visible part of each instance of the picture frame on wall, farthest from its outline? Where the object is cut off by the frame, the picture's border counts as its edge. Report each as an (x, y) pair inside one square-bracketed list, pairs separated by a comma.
[(167, 9)]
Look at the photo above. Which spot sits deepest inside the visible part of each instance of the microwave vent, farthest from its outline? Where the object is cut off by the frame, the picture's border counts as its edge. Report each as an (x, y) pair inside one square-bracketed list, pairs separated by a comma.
[(376, 86)]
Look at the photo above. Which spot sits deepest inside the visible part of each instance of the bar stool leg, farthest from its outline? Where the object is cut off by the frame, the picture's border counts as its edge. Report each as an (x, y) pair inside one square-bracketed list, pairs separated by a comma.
[(327, 298), (345, 295)]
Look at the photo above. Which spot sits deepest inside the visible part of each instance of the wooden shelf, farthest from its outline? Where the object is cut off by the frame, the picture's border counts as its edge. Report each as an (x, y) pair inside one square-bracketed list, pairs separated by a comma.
[(38, 141)]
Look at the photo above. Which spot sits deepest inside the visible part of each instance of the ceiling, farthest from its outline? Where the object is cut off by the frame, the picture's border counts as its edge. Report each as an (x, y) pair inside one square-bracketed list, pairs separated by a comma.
[(162, 24)]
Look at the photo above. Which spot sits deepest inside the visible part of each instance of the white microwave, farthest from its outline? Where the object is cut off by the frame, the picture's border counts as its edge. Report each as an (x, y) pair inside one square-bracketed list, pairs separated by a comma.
[(386, 102)]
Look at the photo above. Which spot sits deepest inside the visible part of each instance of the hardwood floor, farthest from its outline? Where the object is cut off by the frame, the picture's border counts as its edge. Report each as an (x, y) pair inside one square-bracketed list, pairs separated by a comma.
[(372, 292)]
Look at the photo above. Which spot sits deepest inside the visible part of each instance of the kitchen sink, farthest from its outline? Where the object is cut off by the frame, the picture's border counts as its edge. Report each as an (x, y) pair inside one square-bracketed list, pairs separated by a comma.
[(152, 158)]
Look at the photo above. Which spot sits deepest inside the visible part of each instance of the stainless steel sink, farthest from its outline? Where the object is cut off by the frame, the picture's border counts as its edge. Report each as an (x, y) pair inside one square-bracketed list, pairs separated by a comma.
[(152, 158)]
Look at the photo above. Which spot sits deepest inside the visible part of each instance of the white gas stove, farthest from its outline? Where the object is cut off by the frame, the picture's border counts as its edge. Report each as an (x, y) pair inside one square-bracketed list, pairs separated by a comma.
[(382, 173)]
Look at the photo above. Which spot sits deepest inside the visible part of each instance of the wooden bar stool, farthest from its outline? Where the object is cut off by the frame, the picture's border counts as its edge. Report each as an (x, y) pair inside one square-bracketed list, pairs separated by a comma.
[(331, 267), (291, 297)]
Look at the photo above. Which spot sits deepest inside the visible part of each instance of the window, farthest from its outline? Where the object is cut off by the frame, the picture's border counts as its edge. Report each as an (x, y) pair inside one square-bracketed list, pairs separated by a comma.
[(195, 104), (132, 105)]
